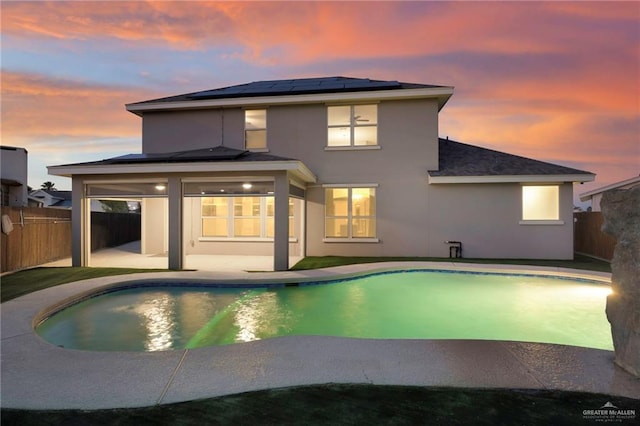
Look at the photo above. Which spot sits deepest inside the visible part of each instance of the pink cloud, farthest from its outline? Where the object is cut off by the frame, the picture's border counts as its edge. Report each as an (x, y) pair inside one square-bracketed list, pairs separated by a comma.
[(36, 107)]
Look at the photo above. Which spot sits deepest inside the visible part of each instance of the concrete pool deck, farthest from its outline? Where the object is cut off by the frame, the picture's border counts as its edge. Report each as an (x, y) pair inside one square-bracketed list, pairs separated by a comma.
[(38, 375)]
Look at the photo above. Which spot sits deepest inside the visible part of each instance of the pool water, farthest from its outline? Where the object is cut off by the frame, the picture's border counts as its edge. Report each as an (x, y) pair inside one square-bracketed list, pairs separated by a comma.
[(402, 305)]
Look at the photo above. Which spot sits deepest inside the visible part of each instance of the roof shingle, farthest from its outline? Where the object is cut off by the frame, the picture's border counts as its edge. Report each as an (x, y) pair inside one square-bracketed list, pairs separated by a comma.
[(459, 159)]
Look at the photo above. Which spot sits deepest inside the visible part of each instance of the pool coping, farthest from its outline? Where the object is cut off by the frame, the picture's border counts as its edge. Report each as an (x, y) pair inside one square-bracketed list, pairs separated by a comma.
[(38, 375)]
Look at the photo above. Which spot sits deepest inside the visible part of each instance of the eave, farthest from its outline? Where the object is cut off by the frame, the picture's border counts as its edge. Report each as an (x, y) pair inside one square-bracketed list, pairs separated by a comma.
[(442, 94), (512, 179), (297, 169), (585, 196)]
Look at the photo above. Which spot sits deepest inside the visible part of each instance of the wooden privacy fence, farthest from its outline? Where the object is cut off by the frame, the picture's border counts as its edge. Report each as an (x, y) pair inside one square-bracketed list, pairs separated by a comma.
[(114, 229), (38, 236), (42, 235), (589, 238)]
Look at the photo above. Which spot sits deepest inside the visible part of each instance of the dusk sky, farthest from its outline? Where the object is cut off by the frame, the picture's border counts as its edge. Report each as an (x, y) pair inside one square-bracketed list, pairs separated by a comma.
[(554, 81)]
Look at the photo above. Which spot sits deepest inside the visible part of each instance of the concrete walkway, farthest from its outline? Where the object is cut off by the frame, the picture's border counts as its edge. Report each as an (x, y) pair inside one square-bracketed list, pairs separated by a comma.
[(38, 375)]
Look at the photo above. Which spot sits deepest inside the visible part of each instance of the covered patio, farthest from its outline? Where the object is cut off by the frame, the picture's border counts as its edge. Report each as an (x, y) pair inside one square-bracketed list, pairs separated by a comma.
[(198, 205), (129, 256)]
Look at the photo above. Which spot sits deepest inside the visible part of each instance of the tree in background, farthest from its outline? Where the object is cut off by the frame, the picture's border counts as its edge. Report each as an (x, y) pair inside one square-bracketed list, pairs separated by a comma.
[(48, 186), (114, 206)]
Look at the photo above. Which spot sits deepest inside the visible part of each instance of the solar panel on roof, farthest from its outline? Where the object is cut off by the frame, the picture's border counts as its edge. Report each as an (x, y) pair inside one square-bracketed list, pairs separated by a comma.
[(216, 153), (300, 86)]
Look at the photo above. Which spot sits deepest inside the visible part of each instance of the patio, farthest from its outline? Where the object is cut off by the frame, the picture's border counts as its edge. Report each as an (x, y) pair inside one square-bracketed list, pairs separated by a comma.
[(128, 256)]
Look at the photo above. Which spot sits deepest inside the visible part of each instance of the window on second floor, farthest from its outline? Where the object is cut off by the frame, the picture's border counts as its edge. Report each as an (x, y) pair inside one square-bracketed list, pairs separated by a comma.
[(255, 129), (352, 125)]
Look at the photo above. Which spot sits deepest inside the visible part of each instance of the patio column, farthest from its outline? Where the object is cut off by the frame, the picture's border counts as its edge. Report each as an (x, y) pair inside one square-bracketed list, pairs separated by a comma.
[(281, 222), (174, 190), (80, 224)]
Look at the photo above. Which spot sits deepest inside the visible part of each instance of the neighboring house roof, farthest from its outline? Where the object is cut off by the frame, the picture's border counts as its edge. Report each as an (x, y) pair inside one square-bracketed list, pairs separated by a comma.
[(627, 183), (266, 92), (52, 198), (62, 199), (462, 163)]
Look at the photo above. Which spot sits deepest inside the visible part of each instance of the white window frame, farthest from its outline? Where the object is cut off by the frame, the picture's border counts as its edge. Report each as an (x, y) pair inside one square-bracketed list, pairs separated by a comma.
[(350, 238), (539, 221), (231, 226), (246, 131), (352, 126)]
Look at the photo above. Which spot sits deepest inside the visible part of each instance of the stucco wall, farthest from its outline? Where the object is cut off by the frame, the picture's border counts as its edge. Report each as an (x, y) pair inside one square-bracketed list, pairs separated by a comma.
[(407, 135), (413, 217), (486, 218), (154, 225), (186, 130)]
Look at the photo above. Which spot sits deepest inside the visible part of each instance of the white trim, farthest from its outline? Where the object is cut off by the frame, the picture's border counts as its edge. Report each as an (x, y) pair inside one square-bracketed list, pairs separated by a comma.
[(257, 149), (352, 148), (443, 93), (541, 222), (586, 195), (512, 179), (243, 239), (350, 185), (230, 179), (116, 181), (350, 240), (298, 168)]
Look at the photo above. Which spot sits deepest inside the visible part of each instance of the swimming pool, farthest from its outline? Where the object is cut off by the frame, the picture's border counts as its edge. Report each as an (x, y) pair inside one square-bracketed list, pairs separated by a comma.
[(397, 305)]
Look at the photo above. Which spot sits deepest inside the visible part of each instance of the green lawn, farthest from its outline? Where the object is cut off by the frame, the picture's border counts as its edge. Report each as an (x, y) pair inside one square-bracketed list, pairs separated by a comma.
[(24, 282), (349, 405), (30, 280), (579, 262)]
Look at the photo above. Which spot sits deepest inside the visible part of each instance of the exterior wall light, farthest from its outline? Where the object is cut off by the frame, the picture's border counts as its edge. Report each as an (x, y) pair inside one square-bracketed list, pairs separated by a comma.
[(161, 187), (247, 185)]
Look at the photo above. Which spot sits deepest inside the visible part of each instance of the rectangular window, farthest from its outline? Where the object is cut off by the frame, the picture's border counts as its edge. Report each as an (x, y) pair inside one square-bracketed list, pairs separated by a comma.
[(541, 203), (215, 214), (270, 231), (352, 125), (246, 216), (350, 213), (241, 217), (255, 129)]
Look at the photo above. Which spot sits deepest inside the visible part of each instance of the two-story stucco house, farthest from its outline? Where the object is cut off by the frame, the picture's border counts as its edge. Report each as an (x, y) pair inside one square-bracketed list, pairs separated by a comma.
[(324, 166)]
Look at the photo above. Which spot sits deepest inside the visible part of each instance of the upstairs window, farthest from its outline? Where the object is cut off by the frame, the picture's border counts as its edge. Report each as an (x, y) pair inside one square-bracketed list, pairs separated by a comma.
[(255, 129), (352, 125)]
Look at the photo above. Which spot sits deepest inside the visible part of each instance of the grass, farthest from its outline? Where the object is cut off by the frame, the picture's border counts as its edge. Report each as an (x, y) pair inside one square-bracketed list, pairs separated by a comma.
[(579, 262), (349, 405), (24, 282)]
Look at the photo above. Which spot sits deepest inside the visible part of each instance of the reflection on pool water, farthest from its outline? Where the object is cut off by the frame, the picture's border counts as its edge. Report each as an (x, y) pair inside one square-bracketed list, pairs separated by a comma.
[(399, 305)]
